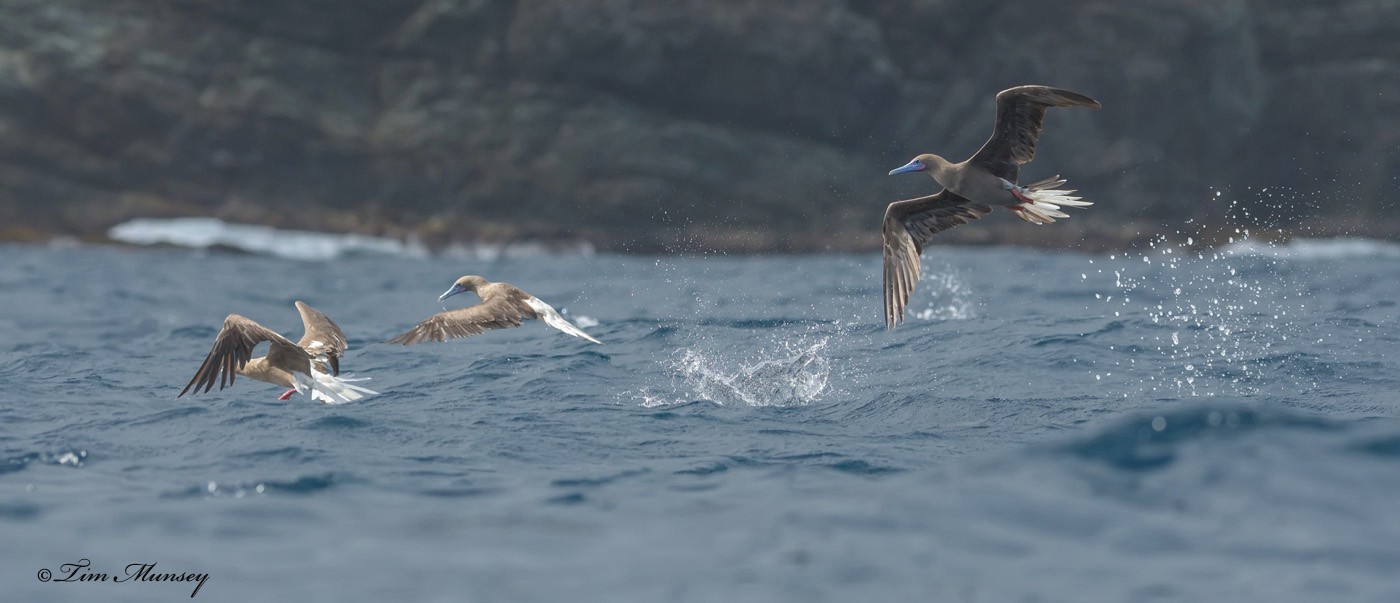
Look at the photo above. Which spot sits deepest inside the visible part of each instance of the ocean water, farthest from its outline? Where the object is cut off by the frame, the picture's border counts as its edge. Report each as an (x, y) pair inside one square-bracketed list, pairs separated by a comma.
[(1158, 425)]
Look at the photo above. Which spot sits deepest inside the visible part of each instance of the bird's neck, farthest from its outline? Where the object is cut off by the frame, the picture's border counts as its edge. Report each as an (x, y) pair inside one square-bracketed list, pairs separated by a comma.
[(484, 291), (943, 173)]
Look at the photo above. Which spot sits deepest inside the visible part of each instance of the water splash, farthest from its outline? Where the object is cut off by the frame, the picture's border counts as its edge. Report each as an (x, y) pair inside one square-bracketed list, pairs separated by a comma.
[(795, 374), (793, 381), (68, 458), (1220, 317), (585, 322), (951, 295)]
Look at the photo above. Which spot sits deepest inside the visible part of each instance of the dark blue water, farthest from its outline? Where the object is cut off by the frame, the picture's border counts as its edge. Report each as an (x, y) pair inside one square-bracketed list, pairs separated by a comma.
[(1152, 426)]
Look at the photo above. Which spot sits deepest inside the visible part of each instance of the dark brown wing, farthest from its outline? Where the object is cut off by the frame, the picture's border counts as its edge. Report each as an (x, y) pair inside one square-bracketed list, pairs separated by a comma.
[(322, 336), (908, 227), (233, 348), (1020, 113), (495, 312)]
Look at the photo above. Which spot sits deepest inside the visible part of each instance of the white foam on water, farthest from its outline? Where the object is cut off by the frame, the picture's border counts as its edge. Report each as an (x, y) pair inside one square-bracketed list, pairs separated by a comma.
[(202, 233), (490, 252), (1316, 249)]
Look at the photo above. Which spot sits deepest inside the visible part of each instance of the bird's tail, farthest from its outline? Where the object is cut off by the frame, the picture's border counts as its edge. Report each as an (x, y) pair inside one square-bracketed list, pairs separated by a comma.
[(330, 388), (552, 318), (1041, 202)]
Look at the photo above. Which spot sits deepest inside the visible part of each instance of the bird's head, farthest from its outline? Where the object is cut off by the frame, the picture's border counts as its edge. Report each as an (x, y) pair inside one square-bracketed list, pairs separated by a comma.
[(466, 283), (918, 164)]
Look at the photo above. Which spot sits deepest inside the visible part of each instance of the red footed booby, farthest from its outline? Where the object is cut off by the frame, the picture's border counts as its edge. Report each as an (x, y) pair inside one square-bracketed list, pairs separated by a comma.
[(972, 187), (311, 365), (502, 306)]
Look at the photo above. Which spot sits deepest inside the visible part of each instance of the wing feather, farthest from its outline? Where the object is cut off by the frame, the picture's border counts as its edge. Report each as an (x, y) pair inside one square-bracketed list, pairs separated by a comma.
[(909, 225), (1020, 115), (495, 312), (233, 348), (323, 337)]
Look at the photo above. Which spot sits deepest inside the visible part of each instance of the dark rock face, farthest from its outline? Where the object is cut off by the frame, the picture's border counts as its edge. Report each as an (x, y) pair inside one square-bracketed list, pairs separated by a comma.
[(741, 124)]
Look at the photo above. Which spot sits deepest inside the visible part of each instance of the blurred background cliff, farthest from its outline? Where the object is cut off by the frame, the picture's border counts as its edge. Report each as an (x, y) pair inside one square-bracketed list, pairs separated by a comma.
[(744, 125)]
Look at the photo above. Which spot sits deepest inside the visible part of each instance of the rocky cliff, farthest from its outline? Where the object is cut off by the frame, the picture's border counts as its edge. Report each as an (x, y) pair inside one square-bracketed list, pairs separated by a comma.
[(683, 124)]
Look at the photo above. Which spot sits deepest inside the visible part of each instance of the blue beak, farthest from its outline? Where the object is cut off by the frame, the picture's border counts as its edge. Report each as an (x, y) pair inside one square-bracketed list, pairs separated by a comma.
[(912, 166), (453, 291)]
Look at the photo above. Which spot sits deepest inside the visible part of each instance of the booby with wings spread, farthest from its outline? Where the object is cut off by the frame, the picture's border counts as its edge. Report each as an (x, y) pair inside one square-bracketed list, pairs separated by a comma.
[(502, 306), (311, 365), (973, 187)]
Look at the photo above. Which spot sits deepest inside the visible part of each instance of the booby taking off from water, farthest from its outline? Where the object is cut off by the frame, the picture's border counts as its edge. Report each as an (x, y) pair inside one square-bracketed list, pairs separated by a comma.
[(310, 365), (502, 306), (972, 187)]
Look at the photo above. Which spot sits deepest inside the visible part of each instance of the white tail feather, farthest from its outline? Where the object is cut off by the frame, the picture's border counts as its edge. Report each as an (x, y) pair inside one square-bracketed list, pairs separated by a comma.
[(553, 319), (1045, 202), (331, 389)]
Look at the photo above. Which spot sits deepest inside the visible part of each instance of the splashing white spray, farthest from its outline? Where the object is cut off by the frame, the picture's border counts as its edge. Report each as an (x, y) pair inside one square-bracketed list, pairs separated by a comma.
[(1227, 311), (951, 296), (794, 374)]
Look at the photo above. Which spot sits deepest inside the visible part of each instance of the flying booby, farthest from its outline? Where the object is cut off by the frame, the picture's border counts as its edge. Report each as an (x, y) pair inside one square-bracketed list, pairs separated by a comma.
[(310, 365), (972, 187), (502, 306)]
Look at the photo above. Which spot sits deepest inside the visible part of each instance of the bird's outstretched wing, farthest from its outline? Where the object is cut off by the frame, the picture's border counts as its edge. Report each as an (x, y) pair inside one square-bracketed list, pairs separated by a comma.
[(1020, 113), (323, 337), (233, 348), (496, 312), (909, 225)]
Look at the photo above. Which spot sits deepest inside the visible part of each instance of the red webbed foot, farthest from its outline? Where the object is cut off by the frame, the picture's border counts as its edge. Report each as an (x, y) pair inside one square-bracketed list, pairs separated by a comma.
[(1016, 192)]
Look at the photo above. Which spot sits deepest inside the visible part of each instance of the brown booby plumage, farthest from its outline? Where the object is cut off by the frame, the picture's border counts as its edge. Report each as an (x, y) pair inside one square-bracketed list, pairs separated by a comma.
[(502, 306), (972, 187), (311, 364)]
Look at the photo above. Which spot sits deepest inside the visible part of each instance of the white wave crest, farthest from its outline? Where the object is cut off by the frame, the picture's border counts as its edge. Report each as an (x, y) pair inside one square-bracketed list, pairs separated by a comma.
[(202, 233), (491, 252), (1317, 249)]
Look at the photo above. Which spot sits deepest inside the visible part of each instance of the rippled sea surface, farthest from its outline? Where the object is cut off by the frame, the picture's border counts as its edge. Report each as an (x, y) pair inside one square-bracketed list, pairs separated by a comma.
[(1160, 425)]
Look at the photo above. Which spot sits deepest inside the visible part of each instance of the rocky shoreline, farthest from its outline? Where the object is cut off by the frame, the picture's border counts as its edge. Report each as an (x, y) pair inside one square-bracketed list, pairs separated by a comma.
[(730, 125), (1088, 238)]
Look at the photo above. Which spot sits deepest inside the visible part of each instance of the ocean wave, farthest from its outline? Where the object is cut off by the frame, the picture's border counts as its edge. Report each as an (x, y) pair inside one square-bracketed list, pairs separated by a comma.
[(62, 458), (203, 233), (1316, 249), (489, 252), (1151, 441), (305, 484)]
